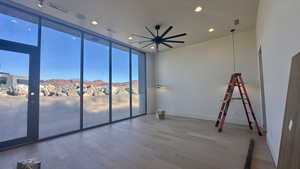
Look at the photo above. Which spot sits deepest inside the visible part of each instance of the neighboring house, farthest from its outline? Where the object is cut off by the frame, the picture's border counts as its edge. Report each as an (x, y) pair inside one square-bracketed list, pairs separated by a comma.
[(11, 81)]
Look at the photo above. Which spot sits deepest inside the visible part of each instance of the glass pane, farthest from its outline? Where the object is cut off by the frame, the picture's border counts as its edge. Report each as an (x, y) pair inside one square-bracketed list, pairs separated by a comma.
[(120, 83), (96, 81), (60, 80), (138, 83), (13, 95), (18, 26)]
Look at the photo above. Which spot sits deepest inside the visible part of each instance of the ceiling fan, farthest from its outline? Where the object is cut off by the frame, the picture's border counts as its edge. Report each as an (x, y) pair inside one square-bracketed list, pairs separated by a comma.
[(159, 39)]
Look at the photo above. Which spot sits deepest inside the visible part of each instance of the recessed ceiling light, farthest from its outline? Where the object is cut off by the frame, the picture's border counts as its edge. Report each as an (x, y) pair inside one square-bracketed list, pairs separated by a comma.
[(198, 9), (211, 30), (130, 38), (152, 47), (94, 22)]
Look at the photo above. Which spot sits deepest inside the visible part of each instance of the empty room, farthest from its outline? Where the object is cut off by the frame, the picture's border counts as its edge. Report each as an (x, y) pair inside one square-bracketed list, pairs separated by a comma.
[(149, 84)]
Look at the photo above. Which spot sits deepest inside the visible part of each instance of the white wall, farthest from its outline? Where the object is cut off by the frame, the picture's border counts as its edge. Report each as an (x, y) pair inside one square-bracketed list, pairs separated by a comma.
[(151, 91), (195, 77), (278, 32)]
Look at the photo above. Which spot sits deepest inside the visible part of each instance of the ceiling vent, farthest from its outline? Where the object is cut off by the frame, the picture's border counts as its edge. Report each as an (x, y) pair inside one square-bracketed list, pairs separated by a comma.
[(111, 31), (80, 16), (57, 7)]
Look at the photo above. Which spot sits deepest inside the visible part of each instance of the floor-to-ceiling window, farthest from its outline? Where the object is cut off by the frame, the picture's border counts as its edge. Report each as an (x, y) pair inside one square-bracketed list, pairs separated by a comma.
[(56, 78), (96, 81), (59, 80), (138, 85), (120, 83)]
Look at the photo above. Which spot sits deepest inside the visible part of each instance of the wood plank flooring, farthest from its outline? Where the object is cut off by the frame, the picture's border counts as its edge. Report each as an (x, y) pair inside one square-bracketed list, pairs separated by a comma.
[(147, 143)]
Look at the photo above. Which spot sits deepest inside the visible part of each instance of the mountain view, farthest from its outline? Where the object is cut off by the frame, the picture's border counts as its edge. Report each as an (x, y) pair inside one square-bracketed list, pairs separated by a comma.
[(10, 85)]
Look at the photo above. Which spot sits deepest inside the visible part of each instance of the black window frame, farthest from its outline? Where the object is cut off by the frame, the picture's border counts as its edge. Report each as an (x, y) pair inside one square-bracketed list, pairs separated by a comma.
[(83, 31)]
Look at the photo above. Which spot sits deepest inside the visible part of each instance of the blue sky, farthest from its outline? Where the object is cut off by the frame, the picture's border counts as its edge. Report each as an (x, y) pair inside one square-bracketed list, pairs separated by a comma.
[(60, 55)]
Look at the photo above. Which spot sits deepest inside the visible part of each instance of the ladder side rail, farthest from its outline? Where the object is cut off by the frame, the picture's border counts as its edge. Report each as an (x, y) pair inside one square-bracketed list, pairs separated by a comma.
[(250, 106), (229, 94), (220, 114), (246, 95), (244, 104), (224, 116), (225, 100)]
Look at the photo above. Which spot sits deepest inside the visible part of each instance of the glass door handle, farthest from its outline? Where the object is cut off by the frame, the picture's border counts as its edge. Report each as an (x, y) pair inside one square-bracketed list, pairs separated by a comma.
[(31, 96)]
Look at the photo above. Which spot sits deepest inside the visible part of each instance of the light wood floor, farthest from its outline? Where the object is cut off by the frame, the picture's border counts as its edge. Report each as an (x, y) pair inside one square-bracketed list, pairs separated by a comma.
[(147, 143)]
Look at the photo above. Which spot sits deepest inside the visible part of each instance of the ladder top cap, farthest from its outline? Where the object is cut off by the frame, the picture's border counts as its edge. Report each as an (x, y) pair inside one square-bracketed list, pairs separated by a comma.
[(237, 74)]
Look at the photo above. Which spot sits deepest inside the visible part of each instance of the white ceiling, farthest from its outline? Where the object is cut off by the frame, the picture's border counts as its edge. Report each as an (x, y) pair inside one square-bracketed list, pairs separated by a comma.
[(124, 17)]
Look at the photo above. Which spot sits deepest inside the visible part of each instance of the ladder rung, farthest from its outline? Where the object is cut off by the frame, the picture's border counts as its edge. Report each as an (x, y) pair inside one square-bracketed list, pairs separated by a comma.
[(237, 98)]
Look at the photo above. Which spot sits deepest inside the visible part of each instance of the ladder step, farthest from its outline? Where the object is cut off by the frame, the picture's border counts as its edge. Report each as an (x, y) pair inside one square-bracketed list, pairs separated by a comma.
[(237, 98)]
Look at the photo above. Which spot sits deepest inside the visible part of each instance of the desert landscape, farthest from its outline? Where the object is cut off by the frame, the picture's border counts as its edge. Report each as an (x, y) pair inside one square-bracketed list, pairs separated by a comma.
[(60, 106)]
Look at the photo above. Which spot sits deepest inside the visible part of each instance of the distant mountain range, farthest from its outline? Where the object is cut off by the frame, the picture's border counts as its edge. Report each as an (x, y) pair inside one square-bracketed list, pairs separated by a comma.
[(62, 82)]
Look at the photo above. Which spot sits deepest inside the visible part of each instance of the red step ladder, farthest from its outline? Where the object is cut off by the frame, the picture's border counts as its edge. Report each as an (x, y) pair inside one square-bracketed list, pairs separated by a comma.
[(236, 80)]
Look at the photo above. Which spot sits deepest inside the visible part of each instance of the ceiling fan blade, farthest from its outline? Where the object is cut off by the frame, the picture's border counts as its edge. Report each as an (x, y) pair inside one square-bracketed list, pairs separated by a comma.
[(174, 41), (148, 45), (166, 32), (140, 36), (141, 42), (175, 36), (150, 31), (167, 45)]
